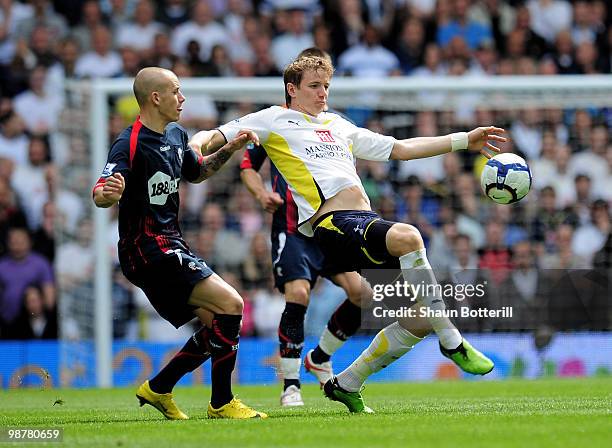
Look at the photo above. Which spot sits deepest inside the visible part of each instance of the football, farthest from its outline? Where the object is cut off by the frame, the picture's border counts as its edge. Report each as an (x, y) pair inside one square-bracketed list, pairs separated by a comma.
[(506, 178)]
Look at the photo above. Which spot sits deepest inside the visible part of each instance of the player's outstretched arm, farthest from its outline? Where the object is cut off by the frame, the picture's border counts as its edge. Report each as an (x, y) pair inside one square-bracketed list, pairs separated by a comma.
[(475, 140), (110, 193), (211, 164), (207, 142), (269, 200)]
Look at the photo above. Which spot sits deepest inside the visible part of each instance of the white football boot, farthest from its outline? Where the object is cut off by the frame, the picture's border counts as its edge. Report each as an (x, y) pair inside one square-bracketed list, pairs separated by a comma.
[(292, 396), (323, 371)]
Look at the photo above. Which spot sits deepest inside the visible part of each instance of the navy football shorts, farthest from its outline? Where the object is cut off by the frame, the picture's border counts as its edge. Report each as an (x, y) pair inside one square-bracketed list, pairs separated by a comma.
[(168, 283), (353, 240), (293, 258)]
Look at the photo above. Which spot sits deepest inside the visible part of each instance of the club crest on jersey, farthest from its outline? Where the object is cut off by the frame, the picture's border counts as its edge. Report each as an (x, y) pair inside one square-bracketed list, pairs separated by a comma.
[(325, 135), (108, 169)]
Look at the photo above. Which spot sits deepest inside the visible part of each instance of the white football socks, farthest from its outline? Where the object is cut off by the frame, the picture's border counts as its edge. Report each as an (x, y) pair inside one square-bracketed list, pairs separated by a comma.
[(329, 343), (290, 368), (387, 346), (417, 271)]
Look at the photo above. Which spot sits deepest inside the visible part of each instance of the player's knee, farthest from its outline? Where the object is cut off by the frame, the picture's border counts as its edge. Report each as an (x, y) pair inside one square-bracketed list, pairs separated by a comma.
[(403, 239), (360, 295), (297, 292), (233, 304)]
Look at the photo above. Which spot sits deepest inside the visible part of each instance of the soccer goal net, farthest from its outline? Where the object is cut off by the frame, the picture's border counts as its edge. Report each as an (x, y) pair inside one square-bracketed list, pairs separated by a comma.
[(560, 125)]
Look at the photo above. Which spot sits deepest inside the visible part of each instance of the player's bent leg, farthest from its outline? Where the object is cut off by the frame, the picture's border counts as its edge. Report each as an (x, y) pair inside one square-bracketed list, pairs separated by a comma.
[(216, 296), (390, 344), (291, 340), (343, 323), (404, 241)]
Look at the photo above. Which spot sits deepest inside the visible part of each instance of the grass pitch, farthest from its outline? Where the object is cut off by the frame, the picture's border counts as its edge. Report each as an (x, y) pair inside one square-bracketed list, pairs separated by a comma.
[(514, 413)]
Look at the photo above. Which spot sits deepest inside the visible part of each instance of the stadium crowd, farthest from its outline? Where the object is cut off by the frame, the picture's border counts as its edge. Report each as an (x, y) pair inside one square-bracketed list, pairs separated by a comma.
[(46, 250)]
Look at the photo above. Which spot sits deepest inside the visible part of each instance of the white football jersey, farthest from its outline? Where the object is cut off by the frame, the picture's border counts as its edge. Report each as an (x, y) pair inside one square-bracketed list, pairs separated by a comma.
[(315, 155)]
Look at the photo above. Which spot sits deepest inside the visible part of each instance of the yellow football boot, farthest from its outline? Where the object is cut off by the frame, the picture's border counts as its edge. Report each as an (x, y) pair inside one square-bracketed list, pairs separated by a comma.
[(234, 409), (164, 403)]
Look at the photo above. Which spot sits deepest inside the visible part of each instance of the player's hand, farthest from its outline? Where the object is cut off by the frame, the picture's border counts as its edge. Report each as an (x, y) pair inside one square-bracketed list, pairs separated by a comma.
[(243, 137), (478, 139), (270, 201), (113, 187)]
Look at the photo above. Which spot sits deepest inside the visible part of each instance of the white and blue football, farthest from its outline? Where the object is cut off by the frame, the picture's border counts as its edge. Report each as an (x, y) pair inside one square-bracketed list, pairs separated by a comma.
[(506, 178)]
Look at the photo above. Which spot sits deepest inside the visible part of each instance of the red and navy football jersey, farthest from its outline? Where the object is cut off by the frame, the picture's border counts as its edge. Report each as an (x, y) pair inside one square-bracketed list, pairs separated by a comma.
[(153, 166), (285, 217)]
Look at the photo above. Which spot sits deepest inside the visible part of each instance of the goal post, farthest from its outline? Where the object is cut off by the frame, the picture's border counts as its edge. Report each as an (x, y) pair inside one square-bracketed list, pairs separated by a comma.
[(388, 94)]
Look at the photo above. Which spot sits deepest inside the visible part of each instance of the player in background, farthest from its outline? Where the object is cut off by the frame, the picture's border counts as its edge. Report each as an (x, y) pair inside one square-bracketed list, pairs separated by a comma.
[(145, 165), (297, 262), (314, 151)]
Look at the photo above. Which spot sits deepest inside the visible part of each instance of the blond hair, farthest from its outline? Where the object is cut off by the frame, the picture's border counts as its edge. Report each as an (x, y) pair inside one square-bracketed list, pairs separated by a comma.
[(294, 72)]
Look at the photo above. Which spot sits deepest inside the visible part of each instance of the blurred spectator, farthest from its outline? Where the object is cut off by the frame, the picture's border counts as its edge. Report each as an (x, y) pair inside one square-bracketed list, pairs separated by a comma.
[(547, 219), (526, 290), (139, 34), (75, 258), (348, 24), (543, 168), (473, 33), (12, 13), (604, 188), (417, 208), (495, 255), (173, 13), (289, 44), (592, 161), (43, 15), (368, 59), (410, 45), (589, 238), (234, 21), (583, 196), (13, 140), (102, 61), (256, 269), (562, 179), (268, 306), (92, 18), (11, 214), (29, 181), (527, 133), (202, 28), (43, 238), (433, 65), (199, 110), (118, 11), (228, 244), (20, 268), (131, 62), (563, 53), (264, 63), (39, 109), (161, 53), (34, 321), (462, 270), (583, 29), (68, 56), (549, 17), (441, 239), (563, 256)]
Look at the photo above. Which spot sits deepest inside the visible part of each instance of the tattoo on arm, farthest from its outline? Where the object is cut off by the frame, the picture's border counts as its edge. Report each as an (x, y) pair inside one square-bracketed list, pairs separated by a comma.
[(211, 164)]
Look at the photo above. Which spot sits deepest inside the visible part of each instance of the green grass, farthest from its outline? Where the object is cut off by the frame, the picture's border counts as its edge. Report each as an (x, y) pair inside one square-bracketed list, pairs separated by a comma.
[(543, 413)]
